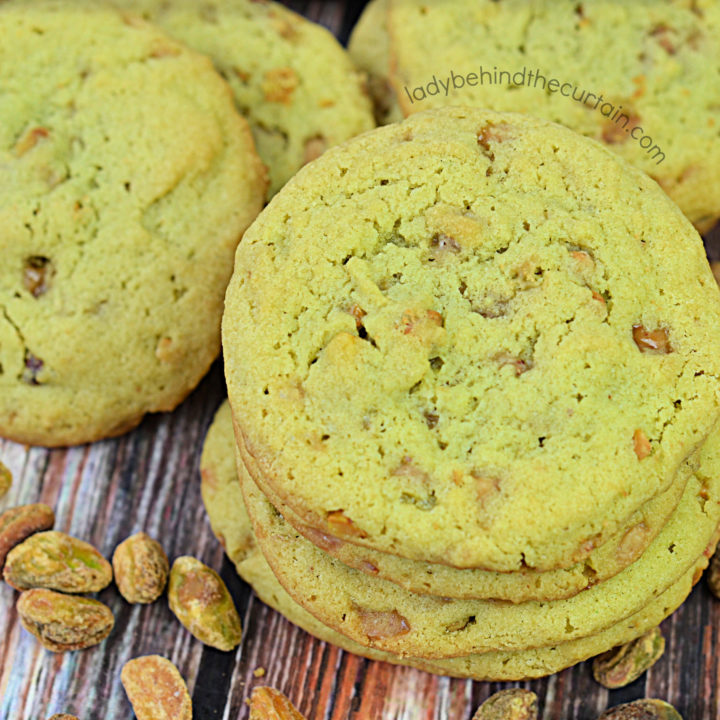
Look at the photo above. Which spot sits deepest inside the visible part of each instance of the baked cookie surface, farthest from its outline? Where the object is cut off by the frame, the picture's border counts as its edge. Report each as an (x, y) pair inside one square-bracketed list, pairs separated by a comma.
[(119, 221), (604, 562), (230, 522), (656, 63), (291, 79), (468, 339)]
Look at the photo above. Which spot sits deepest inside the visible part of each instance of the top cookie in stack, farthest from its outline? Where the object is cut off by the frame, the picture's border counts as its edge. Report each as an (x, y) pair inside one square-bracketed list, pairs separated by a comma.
[(466, 366), (498, 341), (638, 76)]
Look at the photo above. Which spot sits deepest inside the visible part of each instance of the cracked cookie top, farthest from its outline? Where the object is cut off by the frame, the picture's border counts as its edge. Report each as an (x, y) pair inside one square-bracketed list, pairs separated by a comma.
[(290, 77), (126, 181), (472, 338)]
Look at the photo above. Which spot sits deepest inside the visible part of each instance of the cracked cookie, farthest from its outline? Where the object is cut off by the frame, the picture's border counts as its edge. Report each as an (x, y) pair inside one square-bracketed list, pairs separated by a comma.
[(485, 351), (126, 181), (290, 78), (641, 76)]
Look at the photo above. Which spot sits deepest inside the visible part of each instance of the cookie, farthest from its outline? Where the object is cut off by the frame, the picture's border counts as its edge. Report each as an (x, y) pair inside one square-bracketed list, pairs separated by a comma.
[(377, 613), (127, 179), (468, 339), (491, 666), (291, 79), (639, 76), (220, 488), (369, 49), (520, 586), (445, 581), (230, 522)]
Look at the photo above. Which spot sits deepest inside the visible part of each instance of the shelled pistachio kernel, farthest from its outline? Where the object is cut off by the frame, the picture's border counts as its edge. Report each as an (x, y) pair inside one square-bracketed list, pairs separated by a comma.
[(56, 561), (141, 568), (5, 479), (512, 704), (64, 622), (19, 523), (156, 689), (624, 664), (266, 703), (202, 603), (648, 709), (713, 575)]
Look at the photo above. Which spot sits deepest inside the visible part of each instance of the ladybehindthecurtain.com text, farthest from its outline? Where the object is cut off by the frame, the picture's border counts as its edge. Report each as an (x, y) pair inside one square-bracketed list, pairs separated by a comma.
[(535, 79)]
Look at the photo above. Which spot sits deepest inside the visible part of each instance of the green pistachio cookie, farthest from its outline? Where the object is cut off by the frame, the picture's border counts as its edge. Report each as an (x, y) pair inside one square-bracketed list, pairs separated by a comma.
[(369, 48), (127, 179), (230, 522), (472, 338), (356, 605), (291, 79), (640, 76)]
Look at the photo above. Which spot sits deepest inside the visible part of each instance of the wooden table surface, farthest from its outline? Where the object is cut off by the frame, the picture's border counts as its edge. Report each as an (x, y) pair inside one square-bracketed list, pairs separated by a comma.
[(149, 480)]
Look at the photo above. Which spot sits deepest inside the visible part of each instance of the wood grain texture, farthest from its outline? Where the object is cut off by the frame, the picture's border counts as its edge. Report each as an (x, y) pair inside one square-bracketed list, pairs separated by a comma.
[(149, 480)]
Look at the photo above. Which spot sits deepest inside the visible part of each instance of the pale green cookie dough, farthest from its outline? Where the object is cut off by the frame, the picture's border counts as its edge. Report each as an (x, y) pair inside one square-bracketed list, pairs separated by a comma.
[(656, 62), (375, 612), (291, 79), (472, 338), (369, 48), (127, 179), (230, 522), (498, 666)]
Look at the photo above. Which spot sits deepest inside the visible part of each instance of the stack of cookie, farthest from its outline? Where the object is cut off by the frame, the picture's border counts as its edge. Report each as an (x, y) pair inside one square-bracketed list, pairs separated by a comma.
[(632, 75), (475, 396)]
